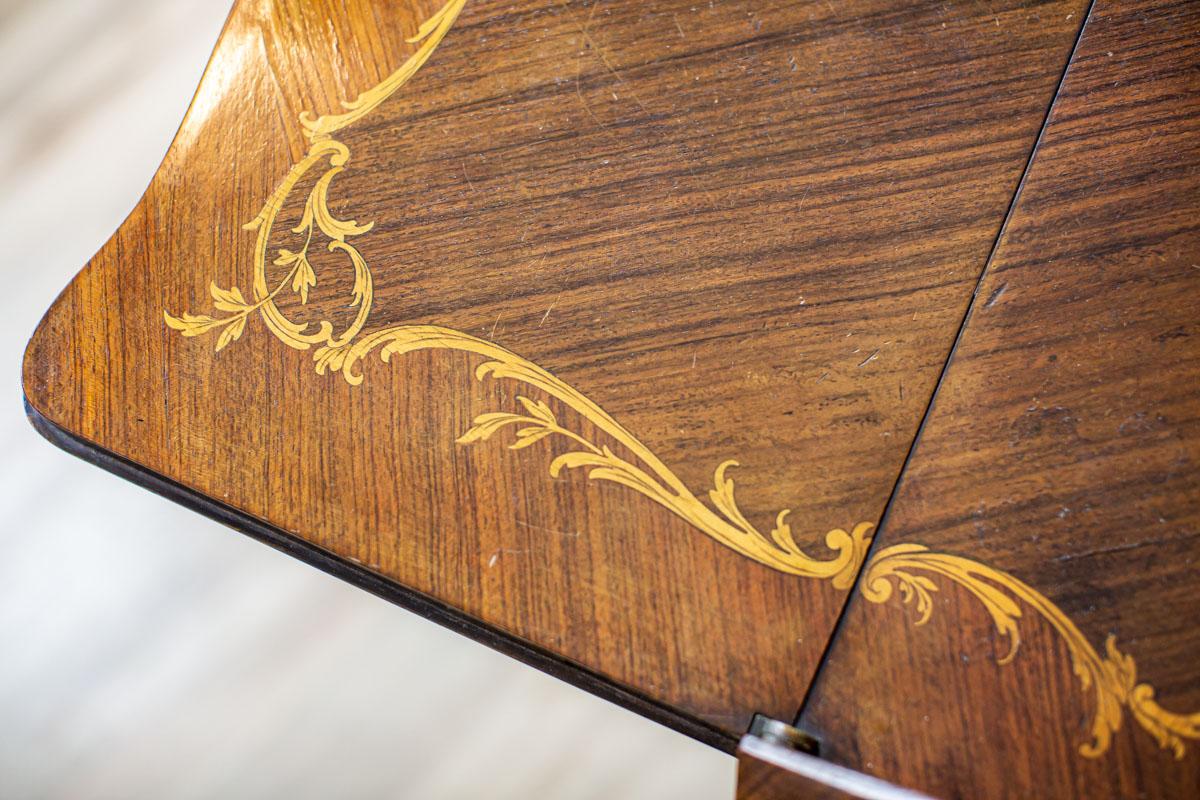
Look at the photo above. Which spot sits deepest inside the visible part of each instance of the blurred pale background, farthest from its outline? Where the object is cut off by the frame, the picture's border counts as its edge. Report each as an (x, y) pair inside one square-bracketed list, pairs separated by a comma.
[(146, 652)]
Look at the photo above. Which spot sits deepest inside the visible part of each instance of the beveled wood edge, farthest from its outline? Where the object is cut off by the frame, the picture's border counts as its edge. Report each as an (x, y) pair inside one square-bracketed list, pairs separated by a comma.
[(362, 578), (905, 570), (825, 773)]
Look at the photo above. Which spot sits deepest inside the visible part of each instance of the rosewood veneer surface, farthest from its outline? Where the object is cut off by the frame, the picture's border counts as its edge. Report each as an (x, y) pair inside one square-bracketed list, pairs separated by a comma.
[(603, 331), (745, 231), (1062, 447)]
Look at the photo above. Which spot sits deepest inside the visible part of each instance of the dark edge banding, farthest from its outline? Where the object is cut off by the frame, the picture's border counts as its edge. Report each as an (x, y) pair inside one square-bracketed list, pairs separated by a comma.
[(362, 578)]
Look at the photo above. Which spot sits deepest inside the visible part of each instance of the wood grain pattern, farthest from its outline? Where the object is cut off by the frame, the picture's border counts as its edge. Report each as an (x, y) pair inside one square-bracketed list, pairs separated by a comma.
[(1062, 445), (746, 232)]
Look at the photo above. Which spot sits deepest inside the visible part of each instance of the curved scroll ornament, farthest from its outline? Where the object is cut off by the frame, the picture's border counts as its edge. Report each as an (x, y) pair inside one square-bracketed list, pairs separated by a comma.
[(622, 458), (1113, 678)]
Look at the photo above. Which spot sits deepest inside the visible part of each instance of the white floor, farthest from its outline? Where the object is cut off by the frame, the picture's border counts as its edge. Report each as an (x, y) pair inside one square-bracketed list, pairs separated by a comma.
[(148, 653)]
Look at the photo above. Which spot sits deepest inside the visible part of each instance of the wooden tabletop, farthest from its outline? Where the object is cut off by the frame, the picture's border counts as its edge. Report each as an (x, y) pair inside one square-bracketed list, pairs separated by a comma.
[(489, 307), (1061, 454)]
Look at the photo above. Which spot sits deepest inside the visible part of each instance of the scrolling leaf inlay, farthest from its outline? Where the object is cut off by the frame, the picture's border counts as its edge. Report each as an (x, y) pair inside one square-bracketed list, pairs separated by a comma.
[(1113, 677), (906, 567)]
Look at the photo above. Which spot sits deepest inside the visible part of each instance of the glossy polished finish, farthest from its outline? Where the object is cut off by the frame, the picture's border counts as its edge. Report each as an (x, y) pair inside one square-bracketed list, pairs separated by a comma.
[(1063, 445), (742, 233), (487, 306)]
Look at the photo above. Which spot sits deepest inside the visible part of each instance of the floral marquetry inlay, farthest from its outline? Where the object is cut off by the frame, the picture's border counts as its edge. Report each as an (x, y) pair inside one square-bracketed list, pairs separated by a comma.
[(615, 455)]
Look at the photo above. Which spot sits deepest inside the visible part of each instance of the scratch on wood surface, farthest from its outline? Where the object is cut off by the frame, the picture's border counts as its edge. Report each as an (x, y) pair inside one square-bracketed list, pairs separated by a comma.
[(466, 175), (496, 555), (579, 94), (587, 37), (996, 295), (531, 526), (1119, 548), (803, 197), (551, 308)]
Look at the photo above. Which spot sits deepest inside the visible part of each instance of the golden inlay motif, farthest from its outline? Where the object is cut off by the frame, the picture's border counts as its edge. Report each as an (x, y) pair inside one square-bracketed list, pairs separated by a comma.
[(911, 568)]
